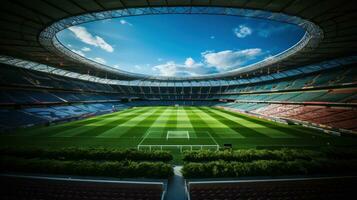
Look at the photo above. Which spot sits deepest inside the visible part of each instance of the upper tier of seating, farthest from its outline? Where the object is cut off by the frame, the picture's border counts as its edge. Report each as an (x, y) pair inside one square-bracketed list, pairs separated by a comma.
[(20, 96), (323, 79), (328, 95), (27, 78), (22, 77)]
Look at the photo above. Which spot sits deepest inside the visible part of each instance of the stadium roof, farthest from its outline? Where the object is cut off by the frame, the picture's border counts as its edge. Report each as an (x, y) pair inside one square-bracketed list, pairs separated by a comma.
[(28, 28)]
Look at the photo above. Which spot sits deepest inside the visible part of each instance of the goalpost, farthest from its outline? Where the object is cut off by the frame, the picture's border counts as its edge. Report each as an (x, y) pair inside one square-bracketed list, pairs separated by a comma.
[(177, 139), (180, 146)]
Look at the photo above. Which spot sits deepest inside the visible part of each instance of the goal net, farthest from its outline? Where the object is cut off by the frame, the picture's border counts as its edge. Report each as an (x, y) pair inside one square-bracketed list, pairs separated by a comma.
[(177, 139)]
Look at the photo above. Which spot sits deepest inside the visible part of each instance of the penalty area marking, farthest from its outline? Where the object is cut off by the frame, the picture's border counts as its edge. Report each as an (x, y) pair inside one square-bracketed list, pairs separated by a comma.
[(177, 134)]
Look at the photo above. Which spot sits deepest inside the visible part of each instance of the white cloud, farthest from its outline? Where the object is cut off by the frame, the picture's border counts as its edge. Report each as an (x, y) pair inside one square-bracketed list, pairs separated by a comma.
[(100, 60), (228, 59), (137, 67), (86, 49), (265, 30), (212, 62), (189, 68), (189, 62), (242, 31), (79, 52), (170, 68), (124, 22), (81, 33)]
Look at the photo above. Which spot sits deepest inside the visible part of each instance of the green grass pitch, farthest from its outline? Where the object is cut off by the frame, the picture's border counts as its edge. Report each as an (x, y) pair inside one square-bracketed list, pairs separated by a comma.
[(165, 127)]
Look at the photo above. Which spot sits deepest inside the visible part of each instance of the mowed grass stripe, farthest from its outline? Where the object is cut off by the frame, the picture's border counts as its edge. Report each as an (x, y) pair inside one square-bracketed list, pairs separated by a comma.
[(142, 128), (216, 128), (120, 129), (206, 134), (155, 134), (186, 120), (172, 123), (156, 129), (52, 130), (293, 130), (98, 127), (257, 125), (233, 123)]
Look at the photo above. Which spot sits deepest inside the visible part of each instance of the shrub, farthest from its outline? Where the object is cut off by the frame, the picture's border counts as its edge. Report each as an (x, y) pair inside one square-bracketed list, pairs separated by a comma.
[(123, 169), (74, 153), (221, 169), (250, 155)]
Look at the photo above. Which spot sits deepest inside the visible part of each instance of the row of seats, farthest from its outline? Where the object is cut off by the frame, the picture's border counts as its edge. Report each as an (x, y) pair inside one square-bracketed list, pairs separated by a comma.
[(16, 188), (325, 188)]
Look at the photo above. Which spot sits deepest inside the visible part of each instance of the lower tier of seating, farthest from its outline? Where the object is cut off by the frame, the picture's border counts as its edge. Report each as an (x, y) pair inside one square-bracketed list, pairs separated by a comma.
[(330, 117), (15, 118), (344, 118), (318, 188)]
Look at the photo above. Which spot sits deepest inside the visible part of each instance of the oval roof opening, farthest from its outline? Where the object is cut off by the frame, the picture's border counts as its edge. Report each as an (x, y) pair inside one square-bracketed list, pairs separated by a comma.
[(179, 45)]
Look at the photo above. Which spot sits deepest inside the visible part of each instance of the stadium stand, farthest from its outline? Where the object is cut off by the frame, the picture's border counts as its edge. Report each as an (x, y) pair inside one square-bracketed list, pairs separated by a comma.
[(49, 97)]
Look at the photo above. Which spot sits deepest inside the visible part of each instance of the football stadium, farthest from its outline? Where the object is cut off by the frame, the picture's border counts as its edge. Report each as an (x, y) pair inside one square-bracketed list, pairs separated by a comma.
[(178, 99)]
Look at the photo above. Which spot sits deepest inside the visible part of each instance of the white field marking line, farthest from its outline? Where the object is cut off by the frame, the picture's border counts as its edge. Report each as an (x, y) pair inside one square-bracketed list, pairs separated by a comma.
[(212, 137), (178, 145), (146, 134), (148, 131)]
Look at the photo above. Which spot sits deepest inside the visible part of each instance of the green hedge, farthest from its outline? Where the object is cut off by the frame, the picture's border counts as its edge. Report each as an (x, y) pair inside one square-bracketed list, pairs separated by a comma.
[(75, 153), (250, 155), (221, 169), (123, 169)]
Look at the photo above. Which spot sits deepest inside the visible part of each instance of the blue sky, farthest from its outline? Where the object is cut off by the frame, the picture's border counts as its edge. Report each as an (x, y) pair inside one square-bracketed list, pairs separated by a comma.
[(180, 45)]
